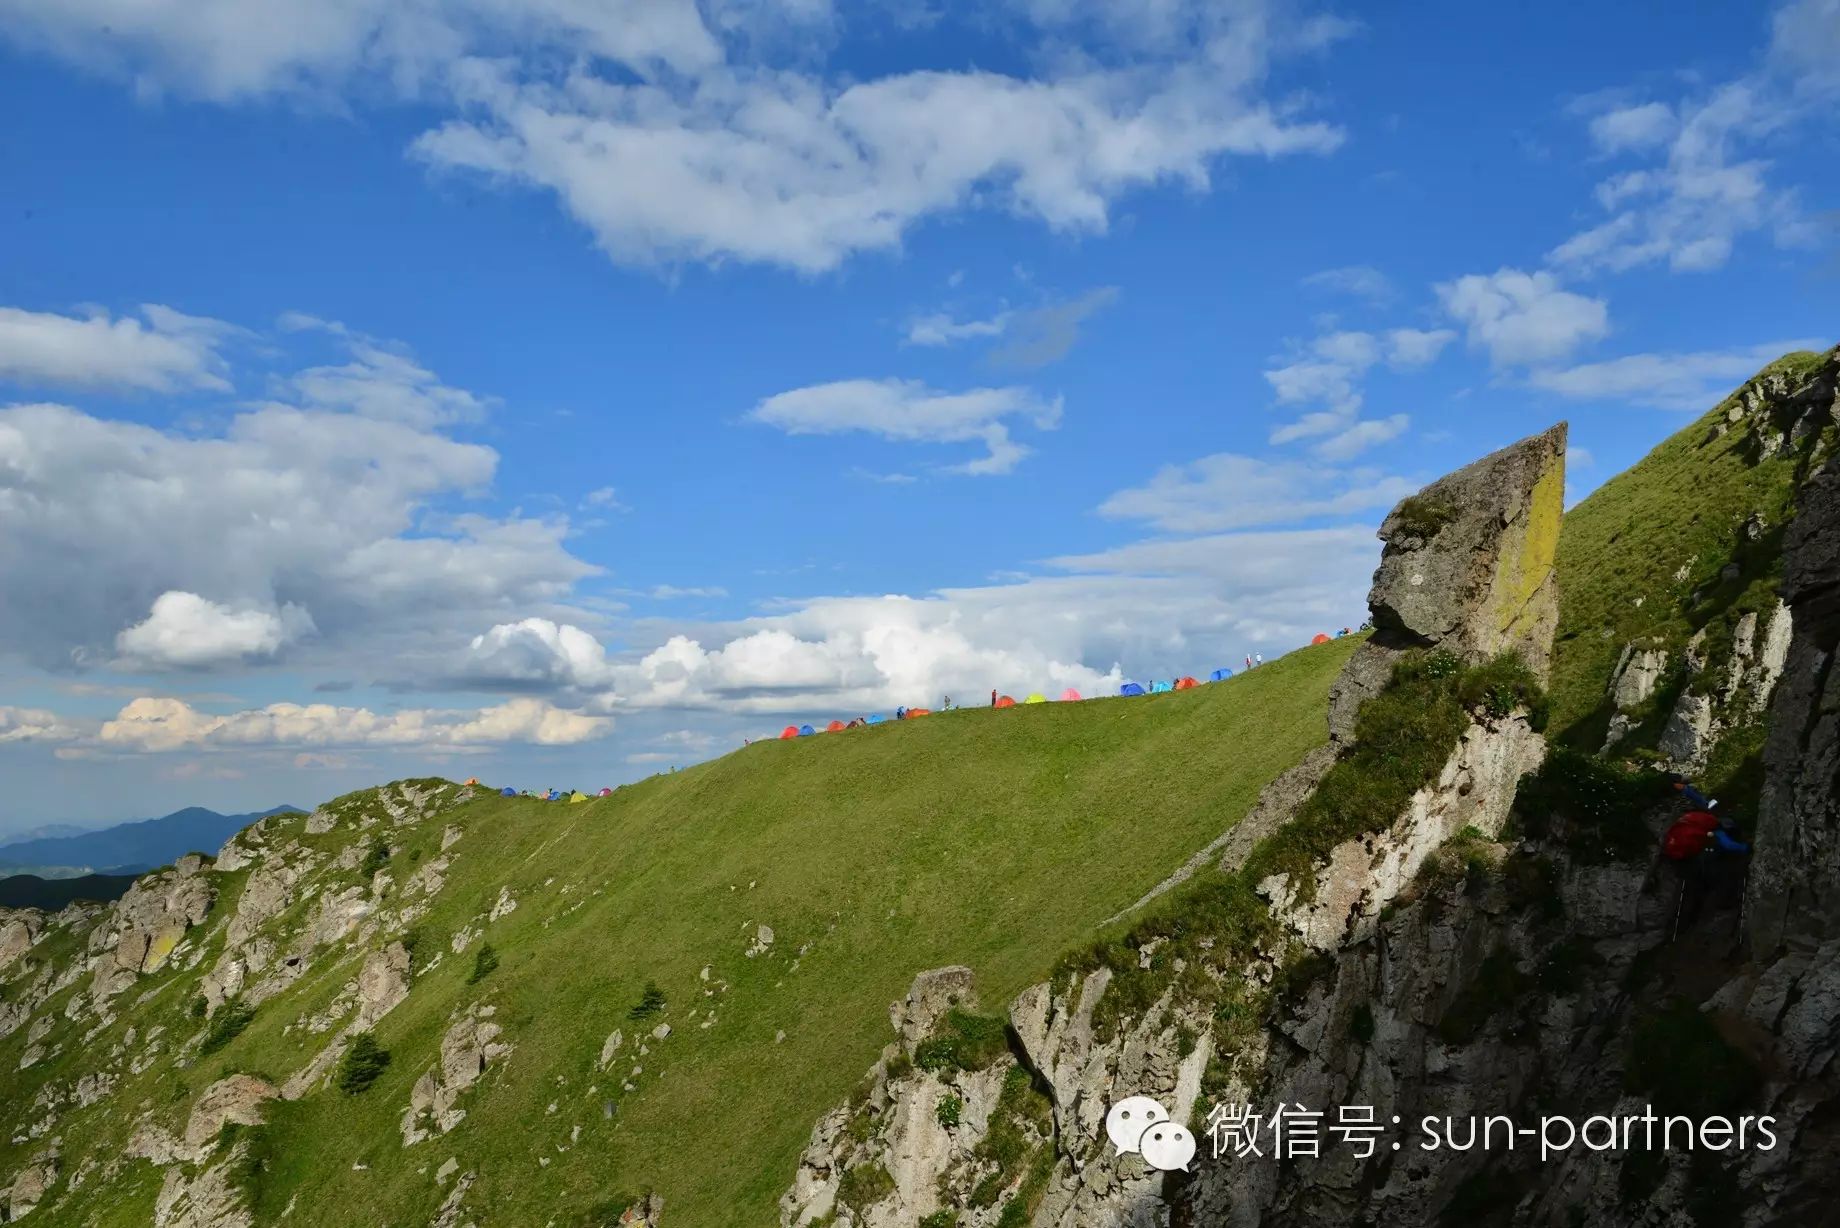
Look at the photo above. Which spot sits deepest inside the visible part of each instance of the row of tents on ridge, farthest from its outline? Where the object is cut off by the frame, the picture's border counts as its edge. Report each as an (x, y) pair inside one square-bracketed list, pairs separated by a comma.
[(1070, 695)]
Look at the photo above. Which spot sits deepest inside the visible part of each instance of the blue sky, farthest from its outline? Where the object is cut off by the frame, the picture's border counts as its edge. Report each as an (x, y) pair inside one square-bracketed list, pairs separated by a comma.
[(560, 390)]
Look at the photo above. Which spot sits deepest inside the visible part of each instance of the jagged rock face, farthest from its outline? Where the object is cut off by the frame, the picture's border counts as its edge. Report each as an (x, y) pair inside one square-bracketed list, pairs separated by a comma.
[(932, 995), (150, 921), (30, 1185), (208, 1200), (19, 929), (238, 1098), (470, 1046), (1467, 566), (1795, 885)]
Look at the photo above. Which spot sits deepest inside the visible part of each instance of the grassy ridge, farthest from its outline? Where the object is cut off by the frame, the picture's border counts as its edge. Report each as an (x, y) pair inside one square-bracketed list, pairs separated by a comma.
[(995, 839), (1640, 560)]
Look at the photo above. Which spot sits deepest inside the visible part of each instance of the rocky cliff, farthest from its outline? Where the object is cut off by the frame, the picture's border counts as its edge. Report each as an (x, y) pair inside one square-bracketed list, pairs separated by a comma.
[(1505, 947)]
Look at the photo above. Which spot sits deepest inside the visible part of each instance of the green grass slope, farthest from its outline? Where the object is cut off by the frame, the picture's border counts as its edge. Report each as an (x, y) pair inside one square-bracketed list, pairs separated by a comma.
[(996, 839), (1641, 560)]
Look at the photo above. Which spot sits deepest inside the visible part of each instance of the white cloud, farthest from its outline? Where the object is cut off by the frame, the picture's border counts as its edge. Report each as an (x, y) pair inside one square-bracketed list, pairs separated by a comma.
[(1690, 381), (158, 725), (606, 498), (537, 651), (1412, 347), (907, 411), (330, 512), (1637, 127), (940, 329), (169, 351), (1229, 491), (35, 725), (1689, 210), (1330, 371), (1523, 318), (184, 630), (1359, 436), (1359, 280), (671, 592), (1805, 44), (379, 383), (783, 169), (745, 158)]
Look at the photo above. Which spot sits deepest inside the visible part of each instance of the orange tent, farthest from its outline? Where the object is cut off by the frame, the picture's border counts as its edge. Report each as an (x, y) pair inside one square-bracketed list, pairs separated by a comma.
[(913, 712), (1004, 701), (1320, 638), (833, 727), (1182, 684), (790, 731), (472, 780)]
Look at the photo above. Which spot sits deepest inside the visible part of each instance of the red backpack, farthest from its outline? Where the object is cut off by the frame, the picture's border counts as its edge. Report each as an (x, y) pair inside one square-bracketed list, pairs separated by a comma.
[(1689, 836)]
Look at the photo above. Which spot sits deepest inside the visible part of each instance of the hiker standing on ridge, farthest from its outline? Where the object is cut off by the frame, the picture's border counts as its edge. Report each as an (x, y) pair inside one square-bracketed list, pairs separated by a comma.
[(993, 696)]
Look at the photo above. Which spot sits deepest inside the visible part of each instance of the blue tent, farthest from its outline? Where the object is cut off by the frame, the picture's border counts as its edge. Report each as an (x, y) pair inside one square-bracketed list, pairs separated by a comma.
[(805, 731), (507, 792), (1162, 684), (875, 718), (1130, 688), (553, 796), (1220, 675)]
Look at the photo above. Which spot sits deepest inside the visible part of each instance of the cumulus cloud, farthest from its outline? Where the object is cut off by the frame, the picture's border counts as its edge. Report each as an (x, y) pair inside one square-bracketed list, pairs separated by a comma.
[(35, 725), (1688, 210), (1679, 381), (1330, 372), (379, 383), (1805, 44), (747, 156), (325, 511), (184, 630), (1523, 318), (538, 651), (907, 411), (1230, 491), (158, 725), (163, 351)]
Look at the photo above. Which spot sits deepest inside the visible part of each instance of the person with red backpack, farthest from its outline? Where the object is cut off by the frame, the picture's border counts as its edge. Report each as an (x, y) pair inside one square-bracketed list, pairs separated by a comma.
[(1703, 850)]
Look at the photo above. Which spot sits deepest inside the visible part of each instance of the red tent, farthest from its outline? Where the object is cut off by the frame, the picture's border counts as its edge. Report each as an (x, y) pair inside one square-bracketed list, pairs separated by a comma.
[(913, 712), (1004, 701), (1182, 684), (790, 731), (1069, 696), (1320, 638), (833, 727)]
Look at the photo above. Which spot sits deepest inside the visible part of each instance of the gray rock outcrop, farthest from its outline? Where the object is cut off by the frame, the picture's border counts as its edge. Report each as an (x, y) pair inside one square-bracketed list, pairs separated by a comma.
[(1468, 565)]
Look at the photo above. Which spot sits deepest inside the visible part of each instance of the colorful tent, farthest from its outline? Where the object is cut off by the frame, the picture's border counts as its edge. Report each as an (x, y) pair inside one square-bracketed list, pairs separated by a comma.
[(805, 731), (552, 796), (507, 791), (1220, 675), (1185, 682), (1130, 688), (1069, 696), (833, 727), (1161, 685), (606, 792), (471, 781), (578, 796), (876, 718), (1319, 638), (913, 712), (790, 731), (1004, 701), (1036, 698)]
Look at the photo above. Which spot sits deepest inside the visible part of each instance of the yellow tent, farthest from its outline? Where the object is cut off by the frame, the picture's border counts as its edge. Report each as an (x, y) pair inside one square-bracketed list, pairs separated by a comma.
[(578, 797), (1036, 698)]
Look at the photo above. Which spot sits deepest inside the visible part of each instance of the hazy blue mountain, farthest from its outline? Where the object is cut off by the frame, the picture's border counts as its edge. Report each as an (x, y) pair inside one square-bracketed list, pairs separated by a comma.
[(128, 848), (51, 894)]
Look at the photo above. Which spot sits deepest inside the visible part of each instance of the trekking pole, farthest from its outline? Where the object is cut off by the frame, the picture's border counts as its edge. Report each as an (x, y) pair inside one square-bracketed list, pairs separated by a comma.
[(1680, 900)]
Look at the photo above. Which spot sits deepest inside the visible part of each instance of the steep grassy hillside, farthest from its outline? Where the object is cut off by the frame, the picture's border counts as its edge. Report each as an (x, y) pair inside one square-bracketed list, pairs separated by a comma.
[(1689, 538), (995, 839)]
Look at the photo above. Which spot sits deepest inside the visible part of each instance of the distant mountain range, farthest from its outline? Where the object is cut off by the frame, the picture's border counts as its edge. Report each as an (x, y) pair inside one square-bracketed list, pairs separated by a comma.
[(127, 848), (51, 894)]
